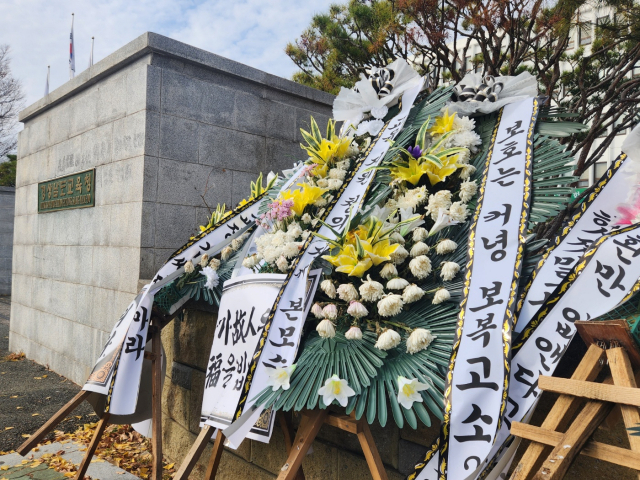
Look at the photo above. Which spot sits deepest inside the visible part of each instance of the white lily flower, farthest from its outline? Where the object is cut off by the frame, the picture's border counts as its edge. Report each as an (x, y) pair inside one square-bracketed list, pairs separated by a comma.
[(336, 388), (408, 391), (279, 377), (443, 221)]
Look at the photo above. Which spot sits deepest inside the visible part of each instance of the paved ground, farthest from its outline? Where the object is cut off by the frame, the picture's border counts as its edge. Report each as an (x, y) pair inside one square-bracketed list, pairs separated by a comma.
[(30, 393)]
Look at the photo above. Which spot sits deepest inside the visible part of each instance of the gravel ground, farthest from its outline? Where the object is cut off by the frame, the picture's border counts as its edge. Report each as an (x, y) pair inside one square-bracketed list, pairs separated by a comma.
[(31, 393)]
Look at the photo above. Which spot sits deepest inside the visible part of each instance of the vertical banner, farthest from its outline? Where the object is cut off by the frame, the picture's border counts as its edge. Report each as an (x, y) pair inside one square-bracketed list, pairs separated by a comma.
[(603, 278), (478, 377), (285, 310)]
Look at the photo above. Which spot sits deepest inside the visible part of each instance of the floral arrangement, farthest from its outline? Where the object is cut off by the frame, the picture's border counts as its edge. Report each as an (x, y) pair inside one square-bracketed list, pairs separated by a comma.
[(382, 322)]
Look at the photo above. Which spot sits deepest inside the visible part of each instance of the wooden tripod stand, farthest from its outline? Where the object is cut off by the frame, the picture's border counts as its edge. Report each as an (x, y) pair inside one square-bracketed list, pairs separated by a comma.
[(156, 381), (611, 339), (297, 448)]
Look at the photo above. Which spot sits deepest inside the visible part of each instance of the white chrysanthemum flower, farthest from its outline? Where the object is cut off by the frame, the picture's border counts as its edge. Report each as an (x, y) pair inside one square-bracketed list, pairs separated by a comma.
[(336, 389), (347, 292), (250, 261), (278, 239), (294, 229), (387, 340), (204, 260), (357, 310), (370, 290), (323, 182), (389, 271), (328, 288), (412, 293), (346, 163), (214, 263), (291, 249), (212, 277), (458, 211), (317, 311), (188, 267), (439, 201), (420, 248), (337, 173), (420, 234), (330, 311), (468, 190), (419, 339), (306, 218), (279, 377), (326, 329), (470, 140), (354, 333), (282, 264), (397, 284), (420, 266), (396, 237), (409, 391), (441, 295), (449, 270), (320, 202), (334, 184), (467, 171), (446, 246), (236, 243), (464, 123), (399, 255), (270, 254), (390, 305)]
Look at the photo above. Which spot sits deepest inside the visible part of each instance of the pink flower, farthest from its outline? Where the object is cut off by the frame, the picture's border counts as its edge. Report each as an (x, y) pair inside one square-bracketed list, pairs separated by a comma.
[(630, 212)]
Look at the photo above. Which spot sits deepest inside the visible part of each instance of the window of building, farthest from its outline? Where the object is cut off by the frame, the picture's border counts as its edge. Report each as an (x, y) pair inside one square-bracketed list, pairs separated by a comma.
[(584, 36), (600, 168), (571, 42)]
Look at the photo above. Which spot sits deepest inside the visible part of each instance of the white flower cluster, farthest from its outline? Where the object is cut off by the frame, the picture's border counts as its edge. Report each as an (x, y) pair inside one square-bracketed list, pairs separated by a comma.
[(280, 247), (410, 199)]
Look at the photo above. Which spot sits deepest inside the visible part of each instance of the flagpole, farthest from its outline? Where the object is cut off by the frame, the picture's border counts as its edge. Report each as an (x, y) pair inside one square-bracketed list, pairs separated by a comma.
[(91, 56), (46, 87), (72, 53)]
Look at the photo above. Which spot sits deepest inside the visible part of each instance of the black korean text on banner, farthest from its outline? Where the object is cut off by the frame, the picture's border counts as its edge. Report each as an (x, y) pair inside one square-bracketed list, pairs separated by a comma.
[(596, 216), (603, 278), (347, 202), (477, 381)]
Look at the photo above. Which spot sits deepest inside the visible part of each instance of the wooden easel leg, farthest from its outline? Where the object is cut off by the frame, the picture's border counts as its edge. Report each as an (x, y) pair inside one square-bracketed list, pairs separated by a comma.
[(556, 465), (287, 429), (34, 439), (216, 454), (156, 408), (195, 453), (622, 374), (304, 438), (564, 408), (371, 452), (91, 449)]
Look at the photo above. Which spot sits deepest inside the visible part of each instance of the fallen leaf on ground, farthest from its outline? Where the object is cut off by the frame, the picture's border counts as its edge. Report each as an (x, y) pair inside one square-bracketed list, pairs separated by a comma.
[(4, 467), (8, 428), (14, 396), (25, 435), (35, 414), (37, 378), (18, 408)]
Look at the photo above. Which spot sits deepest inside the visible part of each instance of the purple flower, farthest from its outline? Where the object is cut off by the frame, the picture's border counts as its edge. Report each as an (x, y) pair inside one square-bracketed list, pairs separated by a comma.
[(415, 151)]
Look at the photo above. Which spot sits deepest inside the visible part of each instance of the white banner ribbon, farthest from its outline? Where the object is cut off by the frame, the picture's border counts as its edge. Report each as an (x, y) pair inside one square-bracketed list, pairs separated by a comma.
[(603, 278), (477, 380)]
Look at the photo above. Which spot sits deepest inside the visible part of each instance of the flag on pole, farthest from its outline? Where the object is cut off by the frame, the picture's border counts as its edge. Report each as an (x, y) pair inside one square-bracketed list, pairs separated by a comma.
[(91, 55), (72, 53), (46, 86)]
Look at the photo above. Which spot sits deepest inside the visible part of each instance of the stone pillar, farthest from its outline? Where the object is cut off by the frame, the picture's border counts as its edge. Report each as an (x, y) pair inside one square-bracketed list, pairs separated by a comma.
[(170, 130), (7, 205)]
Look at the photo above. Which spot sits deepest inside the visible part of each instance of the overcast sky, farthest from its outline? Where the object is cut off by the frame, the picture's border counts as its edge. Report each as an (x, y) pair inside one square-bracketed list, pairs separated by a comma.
[(254, 32)]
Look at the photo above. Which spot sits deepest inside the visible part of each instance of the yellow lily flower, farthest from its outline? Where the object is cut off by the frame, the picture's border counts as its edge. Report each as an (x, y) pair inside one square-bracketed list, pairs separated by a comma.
[(302, 197), (324, 151), (381, 251), (412, 173), (443, 124), (347, 261), (438, 174)]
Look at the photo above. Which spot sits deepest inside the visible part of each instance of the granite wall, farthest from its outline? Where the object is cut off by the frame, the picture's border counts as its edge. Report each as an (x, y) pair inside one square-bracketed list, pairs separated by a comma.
[(170, 130), (7, 205)]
